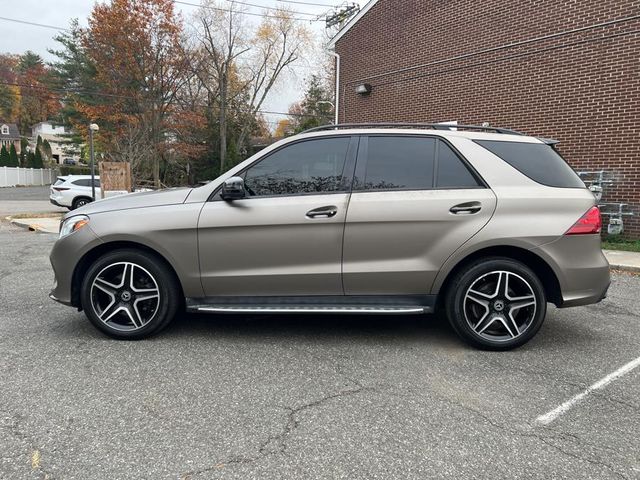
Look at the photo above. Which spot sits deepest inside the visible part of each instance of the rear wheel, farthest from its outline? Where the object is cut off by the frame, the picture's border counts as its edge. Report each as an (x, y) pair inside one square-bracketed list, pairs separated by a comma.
[(496, 303), (129, 294), (80, 202)]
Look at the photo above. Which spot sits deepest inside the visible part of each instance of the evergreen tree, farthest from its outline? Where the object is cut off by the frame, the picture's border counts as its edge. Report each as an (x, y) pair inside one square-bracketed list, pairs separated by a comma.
[(13, 156), (29, 160), (37, 159), (24, 144), (4, 157)]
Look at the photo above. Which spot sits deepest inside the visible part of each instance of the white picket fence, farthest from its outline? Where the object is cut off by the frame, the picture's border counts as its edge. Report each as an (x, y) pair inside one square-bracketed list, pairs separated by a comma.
[(12, 176)]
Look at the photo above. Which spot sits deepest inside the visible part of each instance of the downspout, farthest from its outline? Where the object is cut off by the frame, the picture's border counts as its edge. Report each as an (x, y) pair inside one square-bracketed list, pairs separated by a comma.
[(337, 106)]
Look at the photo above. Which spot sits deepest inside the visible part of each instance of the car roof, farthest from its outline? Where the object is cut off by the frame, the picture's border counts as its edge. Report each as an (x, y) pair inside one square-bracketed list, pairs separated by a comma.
[(468, 134)]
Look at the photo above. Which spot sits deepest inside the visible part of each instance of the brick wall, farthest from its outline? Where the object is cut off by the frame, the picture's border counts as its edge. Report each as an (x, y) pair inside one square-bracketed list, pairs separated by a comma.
[(582, 87)]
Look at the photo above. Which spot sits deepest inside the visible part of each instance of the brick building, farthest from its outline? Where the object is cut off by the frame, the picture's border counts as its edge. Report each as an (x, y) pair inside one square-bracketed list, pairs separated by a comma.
[(564, 69)]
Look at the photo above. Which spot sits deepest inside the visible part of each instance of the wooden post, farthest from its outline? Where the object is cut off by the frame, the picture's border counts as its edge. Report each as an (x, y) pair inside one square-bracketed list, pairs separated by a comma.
[(114, 176)]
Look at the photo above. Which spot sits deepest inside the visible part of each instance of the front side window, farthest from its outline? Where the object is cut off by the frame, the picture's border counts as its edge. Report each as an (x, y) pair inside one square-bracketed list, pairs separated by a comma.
[(400, 163), (312, 166)]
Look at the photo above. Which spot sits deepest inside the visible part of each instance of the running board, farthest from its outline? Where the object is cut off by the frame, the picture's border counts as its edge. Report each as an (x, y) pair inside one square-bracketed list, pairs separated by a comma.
[(359, 309)]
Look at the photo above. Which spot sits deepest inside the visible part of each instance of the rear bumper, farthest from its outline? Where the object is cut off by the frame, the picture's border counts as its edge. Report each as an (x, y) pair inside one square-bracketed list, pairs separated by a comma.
[(54, 202), (580, 266)]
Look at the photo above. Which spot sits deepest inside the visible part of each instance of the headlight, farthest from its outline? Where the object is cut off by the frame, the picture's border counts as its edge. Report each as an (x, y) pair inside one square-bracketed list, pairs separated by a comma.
[(73, 224)]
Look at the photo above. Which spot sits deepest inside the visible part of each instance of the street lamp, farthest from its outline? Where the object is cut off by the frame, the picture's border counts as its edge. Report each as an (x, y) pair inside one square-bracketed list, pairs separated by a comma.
[(92, 128)]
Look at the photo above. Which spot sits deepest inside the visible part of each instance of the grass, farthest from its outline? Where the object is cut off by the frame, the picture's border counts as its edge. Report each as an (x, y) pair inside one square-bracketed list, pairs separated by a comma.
[(616, 243)]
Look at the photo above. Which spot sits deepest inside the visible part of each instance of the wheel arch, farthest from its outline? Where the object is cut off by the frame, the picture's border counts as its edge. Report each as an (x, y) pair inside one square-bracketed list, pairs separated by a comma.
[(536, 263), (92, 255)]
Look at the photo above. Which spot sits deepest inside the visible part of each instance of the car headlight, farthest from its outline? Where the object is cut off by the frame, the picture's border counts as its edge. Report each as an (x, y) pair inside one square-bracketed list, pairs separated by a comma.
[(73, 224)]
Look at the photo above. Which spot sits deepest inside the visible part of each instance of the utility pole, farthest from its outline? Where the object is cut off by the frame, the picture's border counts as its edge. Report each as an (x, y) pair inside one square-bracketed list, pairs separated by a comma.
[(341, 15), (92, 128)]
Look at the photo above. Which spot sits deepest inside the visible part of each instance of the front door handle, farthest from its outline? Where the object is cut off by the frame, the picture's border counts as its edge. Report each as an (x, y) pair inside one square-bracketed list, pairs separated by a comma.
[(323, 212), (468, 208)]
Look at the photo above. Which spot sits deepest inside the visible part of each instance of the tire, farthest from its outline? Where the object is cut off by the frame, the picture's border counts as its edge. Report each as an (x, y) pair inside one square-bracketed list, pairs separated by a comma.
[(130, 309), (80, 202), (496, 304)]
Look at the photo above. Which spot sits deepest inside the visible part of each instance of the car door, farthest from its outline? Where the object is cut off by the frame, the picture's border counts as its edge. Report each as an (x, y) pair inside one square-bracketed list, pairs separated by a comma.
[(414, 202), (285, 237)]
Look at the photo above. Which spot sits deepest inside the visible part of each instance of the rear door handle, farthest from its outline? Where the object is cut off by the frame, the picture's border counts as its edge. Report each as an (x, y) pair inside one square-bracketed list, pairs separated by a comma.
[(468, 208), (323, 212)]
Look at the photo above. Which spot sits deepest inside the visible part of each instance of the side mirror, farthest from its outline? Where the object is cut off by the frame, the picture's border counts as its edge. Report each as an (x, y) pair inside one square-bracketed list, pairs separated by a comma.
[(233, 189)]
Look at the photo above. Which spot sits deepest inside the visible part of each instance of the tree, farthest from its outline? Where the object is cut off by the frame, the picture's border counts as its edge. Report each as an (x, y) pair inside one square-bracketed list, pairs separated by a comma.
[(283, 129), (30, 160), (37, 160), (4, 157), (13, 157), (315, 109), (24, 144), (238, 69), (37, 102), (134, 47)]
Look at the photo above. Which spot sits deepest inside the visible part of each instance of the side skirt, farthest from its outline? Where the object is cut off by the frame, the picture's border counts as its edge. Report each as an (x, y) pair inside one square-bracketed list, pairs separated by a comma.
[(338, 304)]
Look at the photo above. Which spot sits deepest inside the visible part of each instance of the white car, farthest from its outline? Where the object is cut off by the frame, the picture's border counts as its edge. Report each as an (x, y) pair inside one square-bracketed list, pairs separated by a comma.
[(73, 191)]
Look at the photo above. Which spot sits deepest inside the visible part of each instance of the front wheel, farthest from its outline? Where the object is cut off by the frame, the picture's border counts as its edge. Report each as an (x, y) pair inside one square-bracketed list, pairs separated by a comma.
[(129, 294), (496, 304)]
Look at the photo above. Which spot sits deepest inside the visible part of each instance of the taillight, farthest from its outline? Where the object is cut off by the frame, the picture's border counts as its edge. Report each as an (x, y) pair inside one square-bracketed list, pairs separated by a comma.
[(61, 189), (590, 222)]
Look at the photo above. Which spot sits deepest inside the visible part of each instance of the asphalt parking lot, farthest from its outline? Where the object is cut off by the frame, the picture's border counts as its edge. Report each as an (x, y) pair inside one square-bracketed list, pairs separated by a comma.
[(307, 397)]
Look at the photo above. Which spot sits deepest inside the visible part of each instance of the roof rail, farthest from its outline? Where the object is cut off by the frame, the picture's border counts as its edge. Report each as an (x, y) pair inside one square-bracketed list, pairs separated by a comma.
[(434, 126)]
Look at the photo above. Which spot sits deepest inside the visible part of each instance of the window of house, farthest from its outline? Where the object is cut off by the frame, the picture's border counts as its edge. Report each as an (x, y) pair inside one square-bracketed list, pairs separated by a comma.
[(5, 130), (400, 163), (306, 167)]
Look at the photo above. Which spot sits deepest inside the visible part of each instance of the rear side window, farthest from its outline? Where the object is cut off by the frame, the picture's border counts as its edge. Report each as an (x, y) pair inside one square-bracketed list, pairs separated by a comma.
[(82, 182), (538, 161), (452, 172), (400, 163)]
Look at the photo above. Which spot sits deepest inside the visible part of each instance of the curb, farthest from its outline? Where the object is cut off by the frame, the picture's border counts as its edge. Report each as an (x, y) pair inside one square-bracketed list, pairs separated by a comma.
[(625, 268), (32, 227)]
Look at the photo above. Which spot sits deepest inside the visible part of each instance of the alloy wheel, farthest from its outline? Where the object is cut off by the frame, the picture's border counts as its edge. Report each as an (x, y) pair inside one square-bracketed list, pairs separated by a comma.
[(500, 306), (125, 296)]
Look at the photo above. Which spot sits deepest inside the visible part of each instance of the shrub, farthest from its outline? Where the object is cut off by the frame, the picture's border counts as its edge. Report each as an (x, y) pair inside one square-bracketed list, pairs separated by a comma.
[(4, 157), (13, 156)]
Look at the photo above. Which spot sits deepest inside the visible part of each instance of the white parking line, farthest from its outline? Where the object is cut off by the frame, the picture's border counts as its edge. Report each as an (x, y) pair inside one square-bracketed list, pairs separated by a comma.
[(547, 418)]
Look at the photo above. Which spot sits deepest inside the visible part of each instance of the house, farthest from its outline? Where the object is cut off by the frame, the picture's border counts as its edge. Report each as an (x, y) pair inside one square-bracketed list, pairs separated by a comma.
[(562, 69), (9, 135), (58, 138)]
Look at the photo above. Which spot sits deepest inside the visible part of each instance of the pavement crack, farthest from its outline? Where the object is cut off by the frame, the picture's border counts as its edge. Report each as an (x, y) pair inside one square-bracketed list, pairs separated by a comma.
[(546, 439), (277, 444)]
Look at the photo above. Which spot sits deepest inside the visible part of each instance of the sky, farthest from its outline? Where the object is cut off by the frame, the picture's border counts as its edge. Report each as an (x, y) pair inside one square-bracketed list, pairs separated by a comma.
[(18, 38)]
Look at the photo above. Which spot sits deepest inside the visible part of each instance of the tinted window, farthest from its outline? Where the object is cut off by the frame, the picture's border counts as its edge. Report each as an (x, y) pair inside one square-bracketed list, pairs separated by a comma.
[(538, 161), (82, 182), (452, 172), (305, 167), (400, 163)]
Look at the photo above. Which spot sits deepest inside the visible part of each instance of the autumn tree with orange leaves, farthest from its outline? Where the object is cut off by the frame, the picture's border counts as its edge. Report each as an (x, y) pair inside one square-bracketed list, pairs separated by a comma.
[(140, 69)]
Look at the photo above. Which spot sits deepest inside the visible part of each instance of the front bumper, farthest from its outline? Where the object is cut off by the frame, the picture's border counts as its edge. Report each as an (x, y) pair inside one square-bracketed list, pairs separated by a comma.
[(66, 255)]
